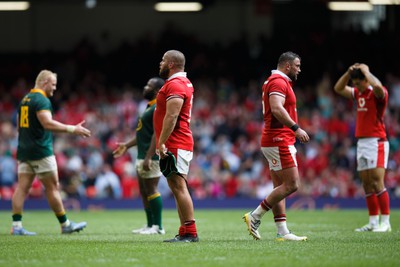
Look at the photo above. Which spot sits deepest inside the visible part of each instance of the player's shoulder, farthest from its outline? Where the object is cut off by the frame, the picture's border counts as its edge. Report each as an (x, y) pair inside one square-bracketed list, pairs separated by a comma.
[(179, 80), (41, 102), (385, 90), (181, 84), (277, 79), (41, 98), (277, 82), (37, 95)]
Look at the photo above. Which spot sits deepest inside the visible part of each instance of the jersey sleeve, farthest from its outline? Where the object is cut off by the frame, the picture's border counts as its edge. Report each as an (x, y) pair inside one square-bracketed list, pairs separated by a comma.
[(43, 104), (175, 90), (277, 87), (386, 97)]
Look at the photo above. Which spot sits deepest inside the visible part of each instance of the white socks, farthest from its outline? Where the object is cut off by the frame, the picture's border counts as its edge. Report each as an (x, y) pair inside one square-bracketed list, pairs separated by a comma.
[(66, 223), (17, 224), (258, 213), (282, 228), (374, 220), (385, 219)]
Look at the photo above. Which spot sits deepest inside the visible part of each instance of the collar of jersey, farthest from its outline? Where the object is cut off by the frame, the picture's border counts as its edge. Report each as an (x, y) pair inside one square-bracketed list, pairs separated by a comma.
[(282, 74), (152, 102), (369, 88), (178, 74), (38, 90)]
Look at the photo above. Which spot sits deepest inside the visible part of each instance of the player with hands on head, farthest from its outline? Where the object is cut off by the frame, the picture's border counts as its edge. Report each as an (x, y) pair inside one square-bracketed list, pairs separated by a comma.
[(35, 153), (371, 99), (147, 162), (277, 144)]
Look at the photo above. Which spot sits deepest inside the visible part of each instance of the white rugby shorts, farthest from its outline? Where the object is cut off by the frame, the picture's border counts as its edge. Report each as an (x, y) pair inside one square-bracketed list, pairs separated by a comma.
[(154, 171), (183, 158), (372, 153), (48, 164), (280, 157)]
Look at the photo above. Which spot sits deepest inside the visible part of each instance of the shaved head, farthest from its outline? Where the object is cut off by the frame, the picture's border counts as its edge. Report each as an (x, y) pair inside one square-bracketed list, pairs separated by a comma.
[(177, 57), (172, 62)]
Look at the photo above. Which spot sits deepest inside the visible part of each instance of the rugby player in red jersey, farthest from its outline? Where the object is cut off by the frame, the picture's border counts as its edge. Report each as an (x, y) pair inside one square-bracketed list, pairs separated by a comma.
[(277, 144), (174, 138), (371, 98)]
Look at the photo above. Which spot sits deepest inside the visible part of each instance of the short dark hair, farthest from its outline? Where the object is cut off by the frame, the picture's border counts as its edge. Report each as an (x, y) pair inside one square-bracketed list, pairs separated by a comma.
[(158, 82), (287, 57), (356, 74)]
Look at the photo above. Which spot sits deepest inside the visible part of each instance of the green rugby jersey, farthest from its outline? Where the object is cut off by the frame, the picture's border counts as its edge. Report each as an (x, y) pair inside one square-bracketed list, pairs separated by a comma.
[(34, 142), (145, 130)]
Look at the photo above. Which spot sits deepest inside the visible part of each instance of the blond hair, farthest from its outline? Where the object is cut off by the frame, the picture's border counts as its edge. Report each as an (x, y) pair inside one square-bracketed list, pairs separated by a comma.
[(43, 77)]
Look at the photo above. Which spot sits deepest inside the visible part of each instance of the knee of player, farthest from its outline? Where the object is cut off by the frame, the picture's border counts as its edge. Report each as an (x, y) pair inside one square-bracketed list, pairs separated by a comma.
[(23, 189), (293, 185), (377, 186)]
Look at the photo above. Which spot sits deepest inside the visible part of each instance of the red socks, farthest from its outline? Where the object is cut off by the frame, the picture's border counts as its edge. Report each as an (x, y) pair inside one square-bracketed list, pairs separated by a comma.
[(280, 218), (189, 228), (384, 202), (265, 205), (372, 204), (379, 201)]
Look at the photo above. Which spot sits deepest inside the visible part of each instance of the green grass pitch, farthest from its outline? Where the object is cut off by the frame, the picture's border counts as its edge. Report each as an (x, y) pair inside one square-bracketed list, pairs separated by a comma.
[(224, 241)]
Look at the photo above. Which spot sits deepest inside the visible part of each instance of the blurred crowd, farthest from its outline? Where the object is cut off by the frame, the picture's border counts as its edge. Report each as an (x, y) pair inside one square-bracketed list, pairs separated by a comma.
[(103, 86)]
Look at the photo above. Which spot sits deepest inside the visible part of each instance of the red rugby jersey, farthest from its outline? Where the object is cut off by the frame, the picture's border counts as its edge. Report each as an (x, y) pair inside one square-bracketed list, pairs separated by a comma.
[(176, 86), (275, 133), (370, 113)]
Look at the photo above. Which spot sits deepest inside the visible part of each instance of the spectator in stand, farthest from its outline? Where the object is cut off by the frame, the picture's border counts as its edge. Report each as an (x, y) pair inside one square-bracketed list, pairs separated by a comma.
[(7, 172), (107, 184)]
